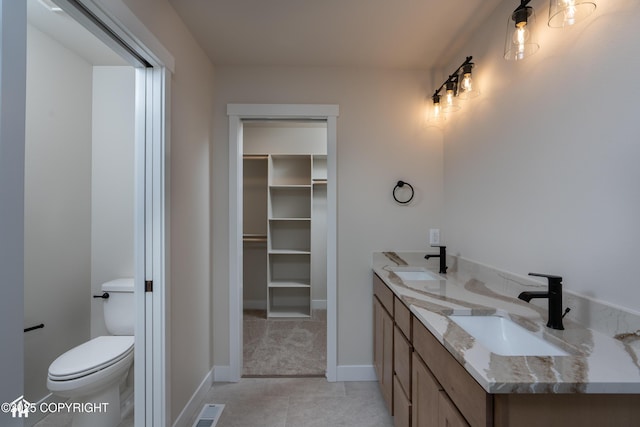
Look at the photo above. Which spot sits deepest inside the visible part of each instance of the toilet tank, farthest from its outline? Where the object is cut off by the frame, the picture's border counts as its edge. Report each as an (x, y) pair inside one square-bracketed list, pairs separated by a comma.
[(119, 308)]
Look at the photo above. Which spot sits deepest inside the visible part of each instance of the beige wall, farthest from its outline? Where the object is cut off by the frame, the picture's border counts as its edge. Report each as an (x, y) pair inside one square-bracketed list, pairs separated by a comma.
[(112, 182), (380, 140), (542, 175), (191, 112)]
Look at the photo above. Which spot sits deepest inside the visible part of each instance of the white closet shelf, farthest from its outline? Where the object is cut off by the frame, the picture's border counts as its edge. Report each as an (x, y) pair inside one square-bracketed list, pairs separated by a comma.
[(289, 252), (289, 219), (285, 186), (290, 284)]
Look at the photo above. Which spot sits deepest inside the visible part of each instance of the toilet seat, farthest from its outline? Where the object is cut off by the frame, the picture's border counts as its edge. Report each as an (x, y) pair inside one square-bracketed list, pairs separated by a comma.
[(91, 357)]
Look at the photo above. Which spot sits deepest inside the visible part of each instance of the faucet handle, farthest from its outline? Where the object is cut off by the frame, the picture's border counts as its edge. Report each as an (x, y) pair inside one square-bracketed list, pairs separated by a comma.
[(555, 282), (551, 277)]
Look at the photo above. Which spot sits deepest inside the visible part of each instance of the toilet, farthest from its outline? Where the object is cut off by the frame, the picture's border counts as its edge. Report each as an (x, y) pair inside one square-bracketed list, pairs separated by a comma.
[(95, 372)]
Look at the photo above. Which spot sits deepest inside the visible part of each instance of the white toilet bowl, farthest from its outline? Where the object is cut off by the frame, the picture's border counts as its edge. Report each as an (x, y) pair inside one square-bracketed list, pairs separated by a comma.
[(91, 374)]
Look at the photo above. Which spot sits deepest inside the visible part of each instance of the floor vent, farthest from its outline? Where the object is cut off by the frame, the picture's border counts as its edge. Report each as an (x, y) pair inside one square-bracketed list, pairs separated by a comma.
[(209, 415)]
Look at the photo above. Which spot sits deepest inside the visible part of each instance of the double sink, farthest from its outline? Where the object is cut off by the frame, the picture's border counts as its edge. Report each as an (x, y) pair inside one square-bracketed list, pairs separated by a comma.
[(497, 333)]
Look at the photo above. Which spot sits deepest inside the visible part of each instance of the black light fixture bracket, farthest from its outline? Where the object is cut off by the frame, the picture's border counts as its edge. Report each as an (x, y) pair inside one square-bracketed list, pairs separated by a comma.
[(522, 12), (454, 78)]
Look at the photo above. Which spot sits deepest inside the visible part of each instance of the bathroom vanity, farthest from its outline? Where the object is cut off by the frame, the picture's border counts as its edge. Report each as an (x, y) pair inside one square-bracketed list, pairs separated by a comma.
[(432, 372)]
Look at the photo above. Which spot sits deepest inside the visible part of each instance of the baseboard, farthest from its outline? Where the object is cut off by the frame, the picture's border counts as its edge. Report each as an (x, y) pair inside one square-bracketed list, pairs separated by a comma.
[(193, 405), (222, 374), (319, 304), (355, 373), (254, 304)]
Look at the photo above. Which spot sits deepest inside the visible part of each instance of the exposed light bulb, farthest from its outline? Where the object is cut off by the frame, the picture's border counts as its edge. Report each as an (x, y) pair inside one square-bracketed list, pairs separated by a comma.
[(468, 89), (569, 12), (437, 111), (520, 37), (436, 114), (448, 98), (467, 83)]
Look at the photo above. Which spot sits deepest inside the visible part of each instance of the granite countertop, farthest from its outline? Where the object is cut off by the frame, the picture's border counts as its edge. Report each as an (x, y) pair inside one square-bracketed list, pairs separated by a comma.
[(597, 363)]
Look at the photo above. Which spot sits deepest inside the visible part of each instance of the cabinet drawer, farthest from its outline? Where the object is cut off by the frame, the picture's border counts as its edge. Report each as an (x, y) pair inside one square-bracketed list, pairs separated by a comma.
[(384, 294), (402, 360), (402, 317), (469, 397), (401, 406)]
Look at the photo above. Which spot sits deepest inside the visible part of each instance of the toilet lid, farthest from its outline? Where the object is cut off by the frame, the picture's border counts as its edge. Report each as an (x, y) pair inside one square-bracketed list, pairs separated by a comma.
[(90, 357)]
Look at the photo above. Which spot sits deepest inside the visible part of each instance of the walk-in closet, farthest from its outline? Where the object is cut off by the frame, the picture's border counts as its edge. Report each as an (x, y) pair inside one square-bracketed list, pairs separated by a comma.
[(284, 248)]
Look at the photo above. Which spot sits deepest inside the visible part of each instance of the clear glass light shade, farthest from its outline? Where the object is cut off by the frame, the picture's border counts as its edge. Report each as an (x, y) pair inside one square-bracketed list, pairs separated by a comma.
[(468, 87), (435, 114), (564, 13), (450, 102), (521, 41)]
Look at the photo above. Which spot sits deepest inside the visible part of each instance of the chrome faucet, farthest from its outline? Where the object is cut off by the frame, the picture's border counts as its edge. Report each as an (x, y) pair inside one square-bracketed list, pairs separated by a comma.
[(554, 295), (443, 258)]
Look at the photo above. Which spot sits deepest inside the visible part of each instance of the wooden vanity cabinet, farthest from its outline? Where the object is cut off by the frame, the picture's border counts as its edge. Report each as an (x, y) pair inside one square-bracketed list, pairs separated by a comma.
[(423, 384), (383, 339), (467, 396)]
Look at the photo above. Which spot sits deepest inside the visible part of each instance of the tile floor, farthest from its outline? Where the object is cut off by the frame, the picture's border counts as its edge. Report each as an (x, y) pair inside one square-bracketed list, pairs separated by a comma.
[(64, 420), (298, 402), (284, 346)]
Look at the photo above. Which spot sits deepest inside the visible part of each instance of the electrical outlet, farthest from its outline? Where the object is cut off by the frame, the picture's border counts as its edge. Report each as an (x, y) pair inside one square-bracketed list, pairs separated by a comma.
[(434, 236)]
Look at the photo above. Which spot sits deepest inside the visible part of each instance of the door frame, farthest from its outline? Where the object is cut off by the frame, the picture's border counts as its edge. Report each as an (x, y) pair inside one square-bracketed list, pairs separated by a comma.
[(114, 24), (237, 113)]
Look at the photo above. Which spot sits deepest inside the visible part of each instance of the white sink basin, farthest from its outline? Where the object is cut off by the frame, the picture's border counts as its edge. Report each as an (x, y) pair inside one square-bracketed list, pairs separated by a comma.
[(414, 274), (502, 336)]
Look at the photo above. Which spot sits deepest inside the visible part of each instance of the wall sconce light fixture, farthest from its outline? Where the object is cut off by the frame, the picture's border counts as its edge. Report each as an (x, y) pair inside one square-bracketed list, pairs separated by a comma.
[(520, 41), (459, 83), (563, 13)]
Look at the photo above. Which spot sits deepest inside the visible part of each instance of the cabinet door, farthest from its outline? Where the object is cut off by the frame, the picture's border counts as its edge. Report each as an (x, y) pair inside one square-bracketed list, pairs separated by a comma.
[(402, 360), (448, 414), (383, 352), (425, 395)]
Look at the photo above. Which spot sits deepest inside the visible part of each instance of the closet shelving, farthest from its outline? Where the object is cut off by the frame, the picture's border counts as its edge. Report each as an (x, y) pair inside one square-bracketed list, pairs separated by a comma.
[(289, 236)]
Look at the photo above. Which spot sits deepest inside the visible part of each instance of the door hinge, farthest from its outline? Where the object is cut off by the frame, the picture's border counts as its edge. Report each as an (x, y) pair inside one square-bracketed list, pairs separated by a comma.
[(148, 286)]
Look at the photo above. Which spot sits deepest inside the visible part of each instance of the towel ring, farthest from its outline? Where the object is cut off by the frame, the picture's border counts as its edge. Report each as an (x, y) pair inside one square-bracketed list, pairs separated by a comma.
[(401, 184)]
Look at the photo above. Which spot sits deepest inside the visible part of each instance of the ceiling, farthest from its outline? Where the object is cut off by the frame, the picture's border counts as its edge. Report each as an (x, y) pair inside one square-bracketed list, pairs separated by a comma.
[(66, 31), (333, 33)]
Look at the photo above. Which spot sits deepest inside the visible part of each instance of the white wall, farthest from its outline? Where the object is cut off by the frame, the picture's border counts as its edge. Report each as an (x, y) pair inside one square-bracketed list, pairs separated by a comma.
[(284, 138), (12, 116), (380, 140), (57, 205), (542, 175), (191, 112), (111, 182)]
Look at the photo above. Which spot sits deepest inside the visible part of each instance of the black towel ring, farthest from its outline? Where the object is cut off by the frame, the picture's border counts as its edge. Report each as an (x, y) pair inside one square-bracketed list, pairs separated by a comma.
[(401, 184)]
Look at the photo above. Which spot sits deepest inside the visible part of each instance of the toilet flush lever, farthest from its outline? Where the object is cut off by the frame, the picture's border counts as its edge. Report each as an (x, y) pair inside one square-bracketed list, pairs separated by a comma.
[(105, 295)]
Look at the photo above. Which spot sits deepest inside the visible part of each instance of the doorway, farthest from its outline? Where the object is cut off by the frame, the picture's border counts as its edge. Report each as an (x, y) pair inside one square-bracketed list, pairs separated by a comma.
[(284, 248), (239, 114), (79, 192), (151, 68)]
